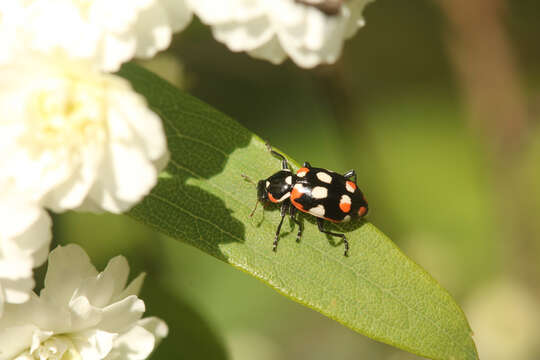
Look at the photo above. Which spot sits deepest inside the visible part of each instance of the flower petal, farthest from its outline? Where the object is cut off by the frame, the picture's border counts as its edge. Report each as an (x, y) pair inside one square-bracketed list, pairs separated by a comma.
[(178, 12), (100, 290), (122, 314), (252, 35), (153, 31), (16, 339), (24, 243), (132, 289), (105, 32), (272, 29), (93, 344), (68, 267), (156, 326), (135, 344)]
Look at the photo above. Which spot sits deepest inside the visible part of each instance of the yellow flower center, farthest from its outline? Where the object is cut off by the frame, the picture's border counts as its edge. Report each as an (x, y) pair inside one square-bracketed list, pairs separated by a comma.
[(56, 348), (67, 114), (84, 6)]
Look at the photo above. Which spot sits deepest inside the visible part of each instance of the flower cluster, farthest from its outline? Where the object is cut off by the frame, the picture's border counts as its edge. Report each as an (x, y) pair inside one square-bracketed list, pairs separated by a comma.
[(81, 314), (72, 135), (24, 244), (75, 136), (106, 32), (311, 32)]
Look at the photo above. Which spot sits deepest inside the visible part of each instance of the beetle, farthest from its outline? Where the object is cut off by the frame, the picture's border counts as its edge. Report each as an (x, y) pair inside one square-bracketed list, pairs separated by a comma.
[(325, 194)]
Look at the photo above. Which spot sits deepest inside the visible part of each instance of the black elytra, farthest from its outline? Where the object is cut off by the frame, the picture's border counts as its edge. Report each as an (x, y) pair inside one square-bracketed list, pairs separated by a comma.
[(322, 193)]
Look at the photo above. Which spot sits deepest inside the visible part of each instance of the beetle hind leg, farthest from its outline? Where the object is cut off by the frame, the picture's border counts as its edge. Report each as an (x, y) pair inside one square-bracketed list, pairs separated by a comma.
[(350, 174), (320, 224)]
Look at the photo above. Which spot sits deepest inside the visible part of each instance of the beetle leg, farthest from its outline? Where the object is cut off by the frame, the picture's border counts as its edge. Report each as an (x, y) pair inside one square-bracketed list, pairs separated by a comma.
[(284, 208), (300, 227), (320, 223), (284, 163), (350, 174)]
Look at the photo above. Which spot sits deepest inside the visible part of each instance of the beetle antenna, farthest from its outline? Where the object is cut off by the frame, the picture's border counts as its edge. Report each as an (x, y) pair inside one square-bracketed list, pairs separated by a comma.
[(248, 179), (255, 208)]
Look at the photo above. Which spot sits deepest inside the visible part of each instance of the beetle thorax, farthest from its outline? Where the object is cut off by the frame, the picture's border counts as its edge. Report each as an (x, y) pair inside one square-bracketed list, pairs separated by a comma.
[(278, 186)]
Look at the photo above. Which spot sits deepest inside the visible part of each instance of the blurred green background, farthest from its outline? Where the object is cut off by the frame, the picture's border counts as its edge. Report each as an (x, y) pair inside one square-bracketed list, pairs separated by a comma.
[(436, 105)]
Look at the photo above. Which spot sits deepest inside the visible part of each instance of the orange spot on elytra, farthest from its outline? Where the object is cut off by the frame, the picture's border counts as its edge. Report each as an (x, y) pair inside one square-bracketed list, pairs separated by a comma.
[(295, 194), (299, 206), (272, 199), (362, 211), (304, 170), (351, 184), (345, 207)]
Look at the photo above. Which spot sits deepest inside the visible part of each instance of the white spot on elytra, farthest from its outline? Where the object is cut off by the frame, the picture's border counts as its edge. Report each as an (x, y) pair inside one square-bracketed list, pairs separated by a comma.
[(301, 173), (349, 187), (345, 199), (267, 184), (347, 218), (317, 211), (324, 177), (300, 189), (288, 180), (319, 192), (285, 196)]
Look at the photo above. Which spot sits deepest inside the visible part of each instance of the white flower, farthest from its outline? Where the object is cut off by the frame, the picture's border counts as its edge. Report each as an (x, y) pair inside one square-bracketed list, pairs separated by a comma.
[(273, 29), (74, 138), (108, 32), (81, 314), (25, 235)]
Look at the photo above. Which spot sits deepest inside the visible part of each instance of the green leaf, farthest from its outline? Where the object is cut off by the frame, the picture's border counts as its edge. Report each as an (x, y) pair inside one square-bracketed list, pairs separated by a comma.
[(201, 199)]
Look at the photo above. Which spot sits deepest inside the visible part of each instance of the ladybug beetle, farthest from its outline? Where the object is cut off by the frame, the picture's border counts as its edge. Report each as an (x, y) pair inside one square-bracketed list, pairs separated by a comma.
[(322, 193)]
